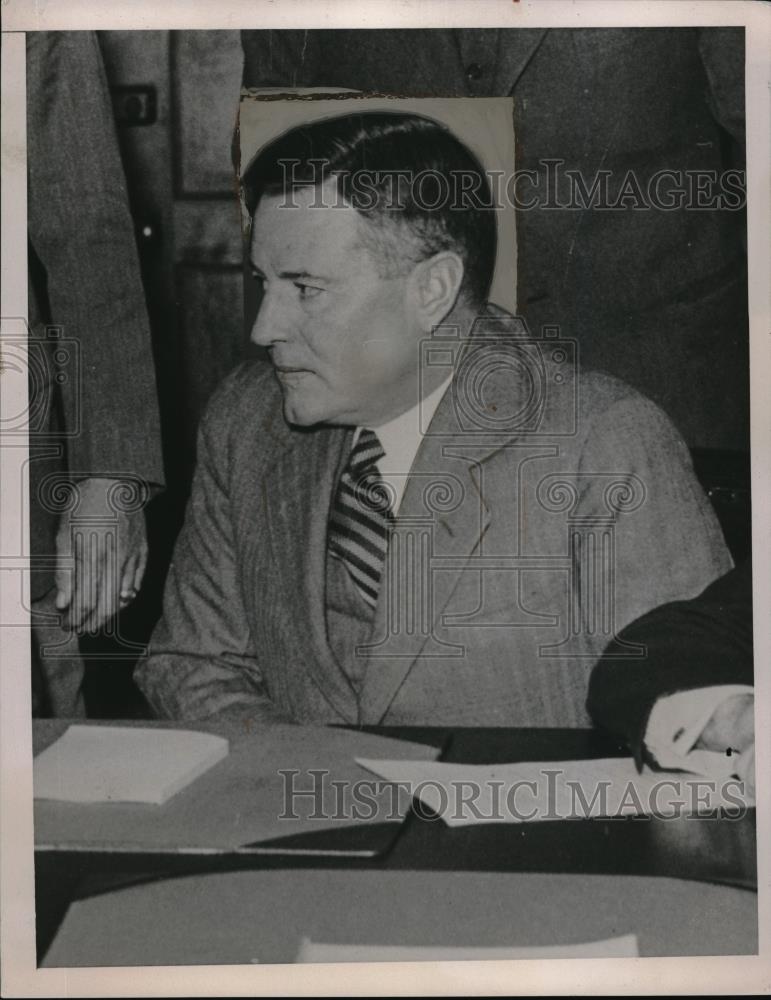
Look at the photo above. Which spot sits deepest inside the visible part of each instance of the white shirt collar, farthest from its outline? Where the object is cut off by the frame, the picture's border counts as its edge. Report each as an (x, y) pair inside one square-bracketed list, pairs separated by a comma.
[(401, 438)]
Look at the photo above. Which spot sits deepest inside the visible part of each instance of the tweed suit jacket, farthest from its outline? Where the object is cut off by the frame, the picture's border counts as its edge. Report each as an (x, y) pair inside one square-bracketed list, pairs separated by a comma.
[(512, 510)]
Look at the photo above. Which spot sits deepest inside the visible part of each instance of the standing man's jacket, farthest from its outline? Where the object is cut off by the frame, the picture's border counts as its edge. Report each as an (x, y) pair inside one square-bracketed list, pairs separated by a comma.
[(87, 418)]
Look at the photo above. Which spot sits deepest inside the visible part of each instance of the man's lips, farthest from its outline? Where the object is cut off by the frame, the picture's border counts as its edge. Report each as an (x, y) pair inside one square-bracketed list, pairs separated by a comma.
[(290, 376)]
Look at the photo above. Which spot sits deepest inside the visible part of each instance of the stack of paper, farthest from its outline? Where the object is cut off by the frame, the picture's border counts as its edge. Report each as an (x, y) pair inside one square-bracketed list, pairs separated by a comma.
[(124, 764)]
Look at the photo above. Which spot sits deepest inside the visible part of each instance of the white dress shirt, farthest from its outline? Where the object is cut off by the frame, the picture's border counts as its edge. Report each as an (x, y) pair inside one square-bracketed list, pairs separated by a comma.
[(401, 438)]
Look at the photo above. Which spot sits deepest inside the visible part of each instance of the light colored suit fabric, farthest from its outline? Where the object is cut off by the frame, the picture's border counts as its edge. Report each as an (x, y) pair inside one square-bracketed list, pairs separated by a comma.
[(244, 628)]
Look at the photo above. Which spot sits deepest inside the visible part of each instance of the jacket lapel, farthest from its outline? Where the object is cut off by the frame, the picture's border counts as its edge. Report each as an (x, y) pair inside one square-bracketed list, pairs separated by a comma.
[(443, 517), (297, 502), (445, 511)]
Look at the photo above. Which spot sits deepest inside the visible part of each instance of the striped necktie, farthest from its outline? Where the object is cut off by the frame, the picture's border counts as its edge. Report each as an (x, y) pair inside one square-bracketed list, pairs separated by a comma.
[(361, 520)]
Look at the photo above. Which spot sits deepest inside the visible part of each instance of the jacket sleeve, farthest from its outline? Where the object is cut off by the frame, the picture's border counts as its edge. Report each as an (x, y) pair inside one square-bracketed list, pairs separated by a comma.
[(201, 660), (688, 644), (82, 233), (637, 472)]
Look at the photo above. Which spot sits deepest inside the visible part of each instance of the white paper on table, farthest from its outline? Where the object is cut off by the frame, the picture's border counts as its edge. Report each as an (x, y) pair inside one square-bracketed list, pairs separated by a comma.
[(123, 763), (513, 793), (624, 946)]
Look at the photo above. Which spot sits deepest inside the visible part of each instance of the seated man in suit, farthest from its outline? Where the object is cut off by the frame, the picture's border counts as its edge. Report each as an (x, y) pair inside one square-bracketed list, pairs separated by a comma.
[(419, 513), (692, 691)]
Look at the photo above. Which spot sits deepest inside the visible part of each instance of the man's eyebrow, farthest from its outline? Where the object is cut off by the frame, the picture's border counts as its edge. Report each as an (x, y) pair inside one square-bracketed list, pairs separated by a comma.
[(301, 275), (291, 275)]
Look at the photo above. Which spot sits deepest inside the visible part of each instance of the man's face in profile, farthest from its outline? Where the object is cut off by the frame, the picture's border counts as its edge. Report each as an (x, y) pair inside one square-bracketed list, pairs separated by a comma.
[(343, 339)]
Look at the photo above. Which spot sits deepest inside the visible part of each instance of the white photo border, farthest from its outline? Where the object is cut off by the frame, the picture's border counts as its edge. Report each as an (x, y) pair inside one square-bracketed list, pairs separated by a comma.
[(708, 975)]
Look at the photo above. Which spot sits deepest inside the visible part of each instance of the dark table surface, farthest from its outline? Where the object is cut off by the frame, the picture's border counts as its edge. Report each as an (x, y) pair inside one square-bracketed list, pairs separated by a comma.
[(703, 849)]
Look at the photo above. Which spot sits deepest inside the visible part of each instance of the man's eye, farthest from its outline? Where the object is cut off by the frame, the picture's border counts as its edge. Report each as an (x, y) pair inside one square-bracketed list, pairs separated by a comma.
[(308, 291)]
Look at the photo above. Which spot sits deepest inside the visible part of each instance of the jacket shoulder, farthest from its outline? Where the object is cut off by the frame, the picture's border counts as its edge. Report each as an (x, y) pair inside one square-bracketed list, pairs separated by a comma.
[(240, 424), (248, 395), (600, 389), (601, 394), (565, 390)]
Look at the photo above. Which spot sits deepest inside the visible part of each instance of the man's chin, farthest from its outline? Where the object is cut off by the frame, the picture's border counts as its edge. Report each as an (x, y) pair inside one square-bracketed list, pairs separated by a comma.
[(306, 409), (300, 413)]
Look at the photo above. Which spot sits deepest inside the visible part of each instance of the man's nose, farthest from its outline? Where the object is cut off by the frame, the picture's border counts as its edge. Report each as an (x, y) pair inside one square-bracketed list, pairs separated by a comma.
[(270, 325)]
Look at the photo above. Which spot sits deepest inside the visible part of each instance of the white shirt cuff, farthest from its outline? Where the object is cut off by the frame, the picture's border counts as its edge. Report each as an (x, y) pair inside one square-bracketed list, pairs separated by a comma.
[(676, 722)]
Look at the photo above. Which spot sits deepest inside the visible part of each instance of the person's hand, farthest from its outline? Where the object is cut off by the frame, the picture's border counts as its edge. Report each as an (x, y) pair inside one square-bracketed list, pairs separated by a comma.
[(101, 554), (730, 729)]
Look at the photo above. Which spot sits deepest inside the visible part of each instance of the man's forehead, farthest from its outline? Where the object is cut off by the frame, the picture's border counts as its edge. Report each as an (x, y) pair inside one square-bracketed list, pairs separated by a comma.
[(303, 222)]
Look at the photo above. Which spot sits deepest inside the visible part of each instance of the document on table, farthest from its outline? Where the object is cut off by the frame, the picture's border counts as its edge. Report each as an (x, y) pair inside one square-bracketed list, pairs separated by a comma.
[(463, 794), (124, 763), (624, 946)]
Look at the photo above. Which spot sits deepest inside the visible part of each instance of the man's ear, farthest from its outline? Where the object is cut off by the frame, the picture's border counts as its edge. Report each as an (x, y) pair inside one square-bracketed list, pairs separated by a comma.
[(434, 287)]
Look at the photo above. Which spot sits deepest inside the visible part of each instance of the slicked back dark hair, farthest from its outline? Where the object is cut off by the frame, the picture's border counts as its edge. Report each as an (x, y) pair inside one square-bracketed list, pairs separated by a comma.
[(420, 188)]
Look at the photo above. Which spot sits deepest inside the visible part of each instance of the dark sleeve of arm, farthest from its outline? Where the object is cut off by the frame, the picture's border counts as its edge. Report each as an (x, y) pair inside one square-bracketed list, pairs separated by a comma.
[(687, 644), (201, 661), (82, 232)]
